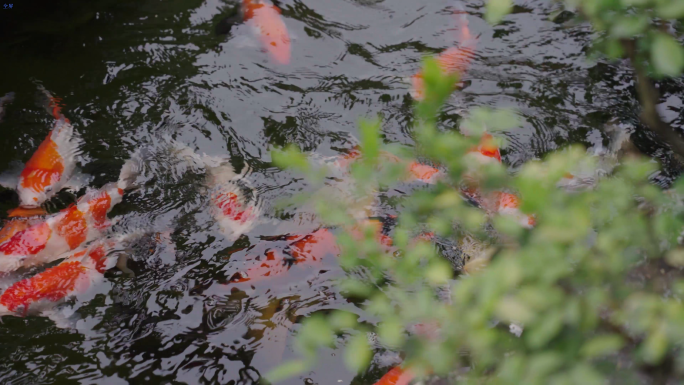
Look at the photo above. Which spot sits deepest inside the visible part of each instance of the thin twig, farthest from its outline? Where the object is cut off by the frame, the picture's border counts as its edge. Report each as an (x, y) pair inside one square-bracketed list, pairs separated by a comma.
[(648, 98)]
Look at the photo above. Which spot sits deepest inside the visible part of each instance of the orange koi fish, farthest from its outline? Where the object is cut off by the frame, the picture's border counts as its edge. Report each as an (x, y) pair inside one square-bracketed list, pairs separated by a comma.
[(72, 227), (269, 26), (53, 163), (509, 204), (415, 170), (487, 151), (306, 249), (396, 376), (12, 227), (454, 60), (79, 271), (497, 202)]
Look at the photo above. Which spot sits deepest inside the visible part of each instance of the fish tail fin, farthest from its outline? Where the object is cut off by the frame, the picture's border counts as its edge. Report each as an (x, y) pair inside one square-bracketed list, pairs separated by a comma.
[(618, 136), (461, 21), (219, 167), (130, 171), (184, 152), (25, 213)]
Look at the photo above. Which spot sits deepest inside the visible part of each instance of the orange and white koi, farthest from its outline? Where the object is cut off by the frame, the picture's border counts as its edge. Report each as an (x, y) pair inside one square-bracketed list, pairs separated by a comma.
[(454, 60), (235, 212), (52, 164), (487, 151), (72, 227), (509, 204), (78, 272), (414, 170), (14, 226), (268, 24), (306, 249)]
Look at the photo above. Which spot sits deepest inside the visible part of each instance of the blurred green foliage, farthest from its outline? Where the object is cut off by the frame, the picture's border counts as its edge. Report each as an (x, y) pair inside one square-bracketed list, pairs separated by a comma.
[(645, 31), (596, 286)]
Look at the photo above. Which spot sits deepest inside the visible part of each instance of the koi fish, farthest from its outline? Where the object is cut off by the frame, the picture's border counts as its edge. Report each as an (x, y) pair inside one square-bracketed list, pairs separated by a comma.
[(235, 212), (509, 204), (269, 26), (12, 227), (396, 376), (25, 213), (232, 210), (70, 228), (52, 164), (585, 176), (306, 249), (415, 170), (8, 98), (79, 271), (454, 60), (497, 202), (487, 151)]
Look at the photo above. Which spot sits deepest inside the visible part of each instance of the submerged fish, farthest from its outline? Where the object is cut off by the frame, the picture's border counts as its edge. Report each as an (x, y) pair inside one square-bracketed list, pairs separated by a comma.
[(72, 227), (268, 24), (396, 376), (79, 271), (454, 60), (306, 249), (586, 175), (8, 98), (52, 164), (14, 226), (415, 171), (235, 210)]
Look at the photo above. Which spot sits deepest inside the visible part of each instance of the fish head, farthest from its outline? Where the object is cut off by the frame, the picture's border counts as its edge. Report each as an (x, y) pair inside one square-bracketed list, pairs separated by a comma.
[(29, 198)]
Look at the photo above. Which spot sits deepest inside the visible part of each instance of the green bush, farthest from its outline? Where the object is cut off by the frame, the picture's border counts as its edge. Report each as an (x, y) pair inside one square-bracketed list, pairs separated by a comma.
[(596, 285)]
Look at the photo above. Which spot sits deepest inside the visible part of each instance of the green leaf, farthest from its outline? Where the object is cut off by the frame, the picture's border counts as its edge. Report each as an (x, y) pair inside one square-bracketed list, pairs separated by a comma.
[(602, 346), (629, 26), (667, 55), (370, 138), (675, 257), (438, 272), (391, 333), (343, 319), (286, 370), (357, 355), (543, 331), (512, 310), (497, 9), (586, 375), (290, 157), (613, 49), (669, 10), (655, 347)]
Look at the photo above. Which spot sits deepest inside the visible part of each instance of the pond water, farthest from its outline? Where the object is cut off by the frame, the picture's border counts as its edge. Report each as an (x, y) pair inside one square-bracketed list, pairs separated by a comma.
[(130, 71)]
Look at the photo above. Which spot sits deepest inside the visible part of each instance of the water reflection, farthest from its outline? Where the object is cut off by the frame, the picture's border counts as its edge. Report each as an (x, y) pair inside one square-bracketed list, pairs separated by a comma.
[(131, 72)]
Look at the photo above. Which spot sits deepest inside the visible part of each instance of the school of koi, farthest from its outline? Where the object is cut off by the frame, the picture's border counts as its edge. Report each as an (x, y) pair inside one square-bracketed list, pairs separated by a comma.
[(79, 236)]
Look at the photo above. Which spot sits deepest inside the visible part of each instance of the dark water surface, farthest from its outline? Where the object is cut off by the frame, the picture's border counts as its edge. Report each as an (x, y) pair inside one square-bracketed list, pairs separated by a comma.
[(130, 70)]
